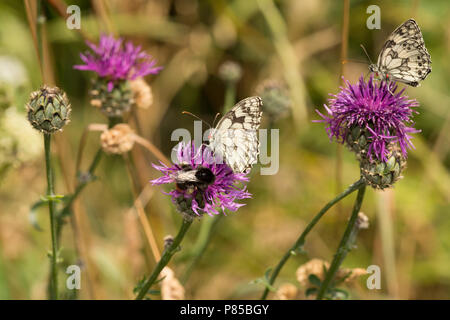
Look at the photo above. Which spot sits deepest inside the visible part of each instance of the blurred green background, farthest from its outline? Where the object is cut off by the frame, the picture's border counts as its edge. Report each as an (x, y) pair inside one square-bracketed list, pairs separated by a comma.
[(296, 43)]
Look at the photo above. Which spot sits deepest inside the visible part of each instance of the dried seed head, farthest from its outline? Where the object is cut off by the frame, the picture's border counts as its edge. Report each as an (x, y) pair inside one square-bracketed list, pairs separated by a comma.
[(142, 93), (117, 140), (286, 291), (48, 109), (171, 288)]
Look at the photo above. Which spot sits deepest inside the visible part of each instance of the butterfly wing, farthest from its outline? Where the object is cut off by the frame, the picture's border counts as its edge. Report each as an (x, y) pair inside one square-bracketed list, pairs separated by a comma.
[(404, 57), (235, 137)]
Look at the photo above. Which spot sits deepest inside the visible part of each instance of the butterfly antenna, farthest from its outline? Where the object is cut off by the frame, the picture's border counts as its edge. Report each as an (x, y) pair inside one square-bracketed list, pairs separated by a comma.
[(215, 118), (365, 51), (193, 115)]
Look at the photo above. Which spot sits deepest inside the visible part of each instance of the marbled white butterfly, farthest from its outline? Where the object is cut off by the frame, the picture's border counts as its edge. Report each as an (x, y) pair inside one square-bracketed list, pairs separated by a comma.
[(403, 57), (235, 138)]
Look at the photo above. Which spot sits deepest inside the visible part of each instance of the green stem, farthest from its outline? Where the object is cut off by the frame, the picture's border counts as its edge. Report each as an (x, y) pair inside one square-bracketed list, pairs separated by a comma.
[(301, 240), (167, 255), (203, 239), (344, 246), (51, 206)]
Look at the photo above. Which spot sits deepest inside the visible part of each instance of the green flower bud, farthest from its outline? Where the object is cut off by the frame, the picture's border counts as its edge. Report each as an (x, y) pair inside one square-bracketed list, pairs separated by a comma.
[(383, 174), (357, 141), (48, 109), (184, 206), (112, 103)]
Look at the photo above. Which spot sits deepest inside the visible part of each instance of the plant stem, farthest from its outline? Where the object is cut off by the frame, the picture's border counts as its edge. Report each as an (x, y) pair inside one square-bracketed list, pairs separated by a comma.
[(301, 240), (51, 206), (345, 246), (167, 255)]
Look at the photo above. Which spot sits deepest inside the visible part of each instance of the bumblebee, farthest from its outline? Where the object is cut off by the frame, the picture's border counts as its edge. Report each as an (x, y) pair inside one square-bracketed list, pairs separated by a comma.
[(189, 179)]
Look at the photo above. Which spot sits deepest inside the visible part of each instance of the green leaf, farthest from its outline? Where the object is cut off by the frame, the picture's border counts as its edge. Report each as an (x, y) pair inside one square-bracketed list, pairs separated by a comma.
[(33, 214), (314, 280), (139, 285)]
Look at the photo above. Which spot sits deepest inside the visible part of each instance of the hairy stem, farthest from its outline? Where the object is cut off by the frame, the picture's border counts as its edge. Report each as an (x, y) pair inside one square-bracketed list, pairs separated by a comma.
[(344, 247), (301, 239)]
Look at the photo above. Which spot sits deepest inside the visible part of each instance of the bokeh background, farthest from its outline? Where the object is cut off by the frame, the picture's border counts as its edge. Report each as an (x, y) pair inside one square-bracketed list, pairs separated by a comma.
[(294, 43)]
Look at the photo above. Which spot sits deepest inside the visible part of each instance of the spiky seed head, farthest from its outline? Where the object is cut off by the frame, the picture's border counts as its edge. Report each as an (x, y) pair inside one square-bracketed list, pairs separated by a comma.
[(48, 109)]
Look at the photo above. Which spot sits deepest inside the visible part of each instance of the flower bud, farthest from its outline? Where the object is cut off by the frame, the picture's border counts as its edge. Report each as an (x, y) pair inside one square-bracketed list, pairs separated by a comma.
[(48, 109), (168, 241), (184, 205), (357, 141), (381, 174), (113, 102), (117, 140)]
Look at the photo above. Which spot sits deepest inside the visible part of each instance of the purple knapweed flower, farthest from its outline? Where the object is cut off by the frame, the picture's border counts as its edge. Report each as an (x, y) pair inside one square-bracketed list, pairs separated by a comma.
[(114, 60), (220, 192), (375, 107)]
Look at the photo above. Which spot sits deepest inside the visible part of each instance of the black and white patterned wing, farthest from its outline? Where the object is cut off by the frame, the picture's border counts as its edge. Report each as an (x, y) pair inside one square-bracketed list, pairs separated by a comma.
[(404, 57), (235, 137)]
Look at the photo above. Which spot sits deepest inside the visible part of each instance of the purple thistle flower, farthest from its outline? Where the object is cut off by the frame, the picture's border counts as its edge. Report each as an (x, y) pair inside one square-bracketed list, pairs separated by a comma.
[(373, 106), (220, 194), (114, 60)]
